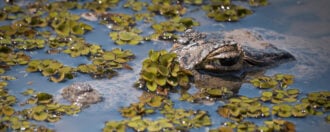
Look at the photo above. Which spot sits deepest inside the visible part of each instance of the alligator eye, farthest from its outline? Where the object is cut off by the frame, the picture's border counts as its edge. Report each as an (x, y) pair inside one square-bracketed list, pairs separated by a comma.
[(229, 61)]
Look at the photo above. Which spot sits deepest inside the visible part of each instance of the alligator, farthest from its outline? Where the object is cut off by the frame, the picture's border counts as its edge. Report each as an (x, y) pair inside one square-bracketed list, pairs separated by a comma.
[(224, 59)]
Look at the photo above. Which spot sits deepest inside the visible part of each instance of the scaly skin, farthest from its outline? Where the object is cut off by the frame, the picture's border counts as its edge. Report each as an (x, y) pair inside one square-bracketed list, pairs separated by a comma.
[(229, 51)]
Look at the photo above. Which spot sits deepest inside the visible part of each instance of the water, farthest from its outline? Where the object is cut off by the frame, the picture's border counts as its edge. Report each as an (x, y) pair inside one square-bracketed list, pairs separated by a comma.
[(299, 26)]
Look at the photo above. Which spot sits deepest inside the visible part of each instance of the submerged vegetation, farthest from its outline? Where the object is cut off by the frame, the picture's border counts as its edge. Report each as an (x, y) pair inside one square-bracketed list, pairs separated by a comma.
[(52, 26)]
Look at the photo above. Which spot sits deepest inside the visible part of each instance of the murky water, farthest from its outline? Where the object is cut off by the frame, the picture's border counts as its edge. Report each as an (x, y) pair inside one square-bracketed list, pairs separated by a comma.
[(302, 27)]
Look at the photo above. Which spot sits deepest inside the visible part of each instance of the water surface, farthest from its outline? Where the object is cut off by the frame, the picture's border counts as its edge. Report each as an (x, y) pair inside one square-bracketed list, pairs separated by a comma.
[(300, 26)]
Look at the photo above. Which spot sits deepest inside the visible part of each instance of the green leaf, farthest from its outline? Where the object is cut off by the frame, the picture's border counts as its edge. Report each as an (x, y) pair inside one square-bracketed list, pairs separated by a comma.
[(152, 86), (163, 70), (161, 80)]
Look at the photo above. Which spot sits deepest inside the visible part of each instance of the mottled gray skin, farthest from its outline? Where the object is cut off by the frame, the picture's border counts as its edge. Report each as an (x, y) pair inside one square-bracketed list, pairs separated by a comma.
[(226, 51), (215, 59), (81, 94)]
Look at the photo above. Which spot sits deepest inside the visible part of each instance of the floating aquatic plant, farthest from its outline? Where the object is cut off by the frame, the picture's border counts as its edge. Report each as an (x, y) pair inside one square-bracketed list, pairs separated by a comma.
[(264, 82), (187, 118), (124, 37), (100, 6), (147, 17), (164, 30), (60, 41), (103, 64), (18, 30), (23, 44), (278, 125), (50, 112), (12, 58), (225, 11), (162, 71), (10, 12), (2, 71), (135, 109), (194, 2), (319, 102), (153, 100), (45, 108), (135, 5), (159, 125), (111, 126), (166, 8), (239, 108), (137, 123), (282, 110), (83, 49), (29, 91), (276, 81), (209, 94), (3, 15), (62, 5), (284, 79), (269, 126), (65, 24), (280, 96), (7, 78), (35, 21), (118, 21), (44, 98), (53, 69), (12, 120)]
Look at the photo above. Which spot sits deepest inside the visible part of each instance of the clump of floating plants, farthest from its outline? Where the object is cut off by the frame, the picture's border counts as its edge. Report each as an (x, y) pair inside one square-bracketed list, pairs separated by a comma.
[(10, 119), (126, 37), (135, 5), (276, 81), (10, 12), (298, 110), (210, 94), (60, 41), (136, 109), (23, 44), (118, 21), (279, 96), (318, 101), (175, 119), (100, 6), (269, 126), (83, 49), (148, 103), (103, 64), (164, 30), (66, 24), (56, 71), (146, 17), (45, 108), (225, 10), (166, 8), (187, 118), (9, 58), (123, 28), (161, 71), (239, 108), (194, 2)]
